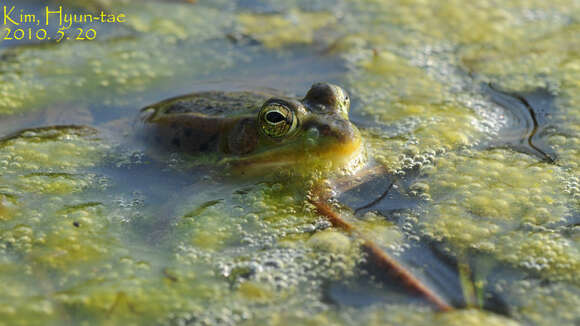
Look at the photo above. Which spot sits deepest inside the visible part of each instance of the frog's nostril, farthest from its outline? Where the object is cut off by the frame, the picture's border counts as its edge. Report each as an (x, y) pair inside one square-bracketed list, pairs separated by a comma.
[(313, 133), (325, 130), (320, 107)]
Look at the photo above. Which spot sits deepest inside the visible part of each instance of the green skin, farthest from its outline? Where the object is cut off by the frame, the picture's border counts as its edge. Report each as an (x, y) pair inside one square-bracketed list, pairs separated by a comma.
[(251, 130)]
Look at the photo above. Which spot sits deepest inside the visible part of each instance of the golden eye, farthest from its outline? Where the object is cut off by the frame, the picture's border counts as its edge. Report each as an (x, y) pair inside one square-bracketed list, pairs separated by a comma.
[(276, 120)]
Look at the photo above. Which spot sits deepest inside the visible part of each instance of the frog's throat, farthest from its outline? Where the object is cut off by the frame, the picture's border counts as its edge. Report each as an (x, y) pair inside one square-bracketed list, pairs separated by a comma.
[(335, 156)]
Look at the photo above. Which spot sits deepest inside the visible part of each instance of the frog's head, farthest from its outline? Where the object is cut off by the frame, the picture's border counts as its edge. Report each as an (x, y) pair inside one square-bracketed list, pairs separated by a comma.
[(328, 98), (312, 132)]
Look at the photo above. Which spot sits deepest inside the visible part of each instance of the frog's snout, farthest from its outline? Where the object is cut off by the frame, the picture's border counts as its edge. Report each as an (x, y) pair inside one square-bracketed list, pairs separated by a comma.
[(340, 131), (343, 131)]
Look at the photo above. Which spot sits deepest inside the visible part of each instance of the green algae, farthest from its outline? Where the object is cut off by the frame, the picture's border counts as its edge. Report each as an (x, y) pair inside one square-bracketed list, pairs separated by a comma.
[(41, 237), (53, 183), (292, 28), (284, 261), (399, 81), (73, 249), (45, 160), (505, 204), (389, 315), (72, 255), (40, 166), (414, 317), (126, 60), (498, 202), (8, 205), (506, 44), (542, 304), (61, 148), (417, 113), (330, 241)]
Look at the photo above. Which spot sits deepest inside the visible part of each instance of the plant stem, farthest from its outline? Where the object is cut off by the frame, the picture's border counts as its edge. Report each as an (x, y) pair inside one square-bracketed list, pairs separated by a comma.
[(382, 258)]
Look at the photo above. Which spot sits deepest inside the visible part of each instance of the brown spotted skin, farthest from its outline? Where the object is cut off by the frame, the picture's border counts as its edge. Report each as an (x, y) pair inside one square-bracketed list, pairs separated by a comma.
[(185, 134), (203, 122), (243, 138)]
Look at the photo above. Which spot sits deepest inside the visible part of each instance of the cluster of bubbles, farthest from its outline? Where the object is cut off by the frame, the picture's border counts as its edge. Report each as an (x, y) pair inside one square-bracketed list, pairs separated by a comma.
[(410, 123), (17, 239), (270, 276), (127, 158), (269, 247), (396, 314), (232, 315), (503, 203), (535, 300), (128, 209), (572, 186)]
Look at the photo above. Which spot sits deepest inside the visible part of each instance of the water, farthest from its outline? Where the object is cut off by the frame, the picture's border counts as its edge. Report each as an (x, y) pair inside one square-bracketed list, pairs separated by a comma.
[(479, 194)]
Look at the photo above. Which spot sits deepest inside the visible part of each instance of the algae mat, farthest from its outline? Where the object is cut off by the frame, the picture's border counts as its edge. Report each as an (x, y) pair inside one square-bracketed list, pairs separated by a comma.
[(472, 107)]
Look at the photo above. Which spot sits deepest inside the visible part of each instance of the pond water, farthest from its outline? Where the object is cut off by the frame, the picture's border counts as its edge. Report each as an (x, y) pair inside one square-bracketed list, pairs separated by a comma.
[(470, 109)]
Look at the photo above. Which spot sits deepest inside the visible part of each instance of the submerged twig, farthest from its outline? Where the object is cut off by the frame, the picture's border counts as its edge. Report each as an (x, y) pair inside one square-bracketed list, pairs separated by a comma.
[(382, 258), (349, 182)]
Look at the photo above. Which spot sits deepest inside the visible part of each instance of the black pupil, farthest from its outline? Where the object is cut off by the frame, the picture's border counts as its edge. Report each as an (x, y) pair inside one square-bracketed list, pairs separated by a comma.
[(274, 117)]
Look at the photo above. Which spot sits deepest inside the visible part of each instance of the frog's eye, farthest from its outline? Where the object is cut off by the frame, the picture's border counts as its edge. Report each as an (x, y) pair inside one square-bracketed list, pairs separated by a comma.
[(277, 120)]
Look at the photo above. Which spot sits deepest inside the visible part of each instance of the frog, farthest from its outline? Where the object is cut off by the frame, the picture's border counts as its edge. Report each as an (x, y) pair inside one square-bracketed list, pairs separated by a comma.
[(257, 131)]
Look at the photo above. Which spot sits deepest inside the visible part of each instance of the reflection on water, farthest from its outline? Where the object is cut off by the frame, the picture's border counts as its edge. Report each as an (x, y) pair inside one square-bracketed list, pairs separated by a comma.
[(478, 193)]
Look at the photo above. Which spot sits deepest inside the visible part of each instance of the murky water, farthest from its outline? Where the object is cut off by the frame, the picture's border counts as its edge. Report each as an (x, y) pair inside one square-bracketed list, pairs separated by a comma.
[(472, 109)]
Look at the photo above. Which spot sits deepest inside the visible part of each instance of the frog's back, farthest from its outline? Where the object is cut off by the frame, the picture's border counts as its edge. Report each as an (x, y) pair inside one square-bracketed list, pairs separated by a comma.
[(216, 104), (196, 122)]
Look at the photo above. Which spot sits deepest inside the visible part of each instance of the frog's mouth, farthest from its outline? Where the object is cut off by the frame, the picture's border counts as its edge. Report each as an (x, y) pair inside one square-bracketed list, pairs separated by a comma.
[(333, 149)]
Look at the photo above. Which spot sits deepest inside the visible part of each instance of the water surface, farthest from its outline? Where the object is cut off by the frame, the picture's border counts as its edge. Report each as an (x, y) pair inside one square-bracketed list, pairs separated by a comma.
[(472, 109)]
